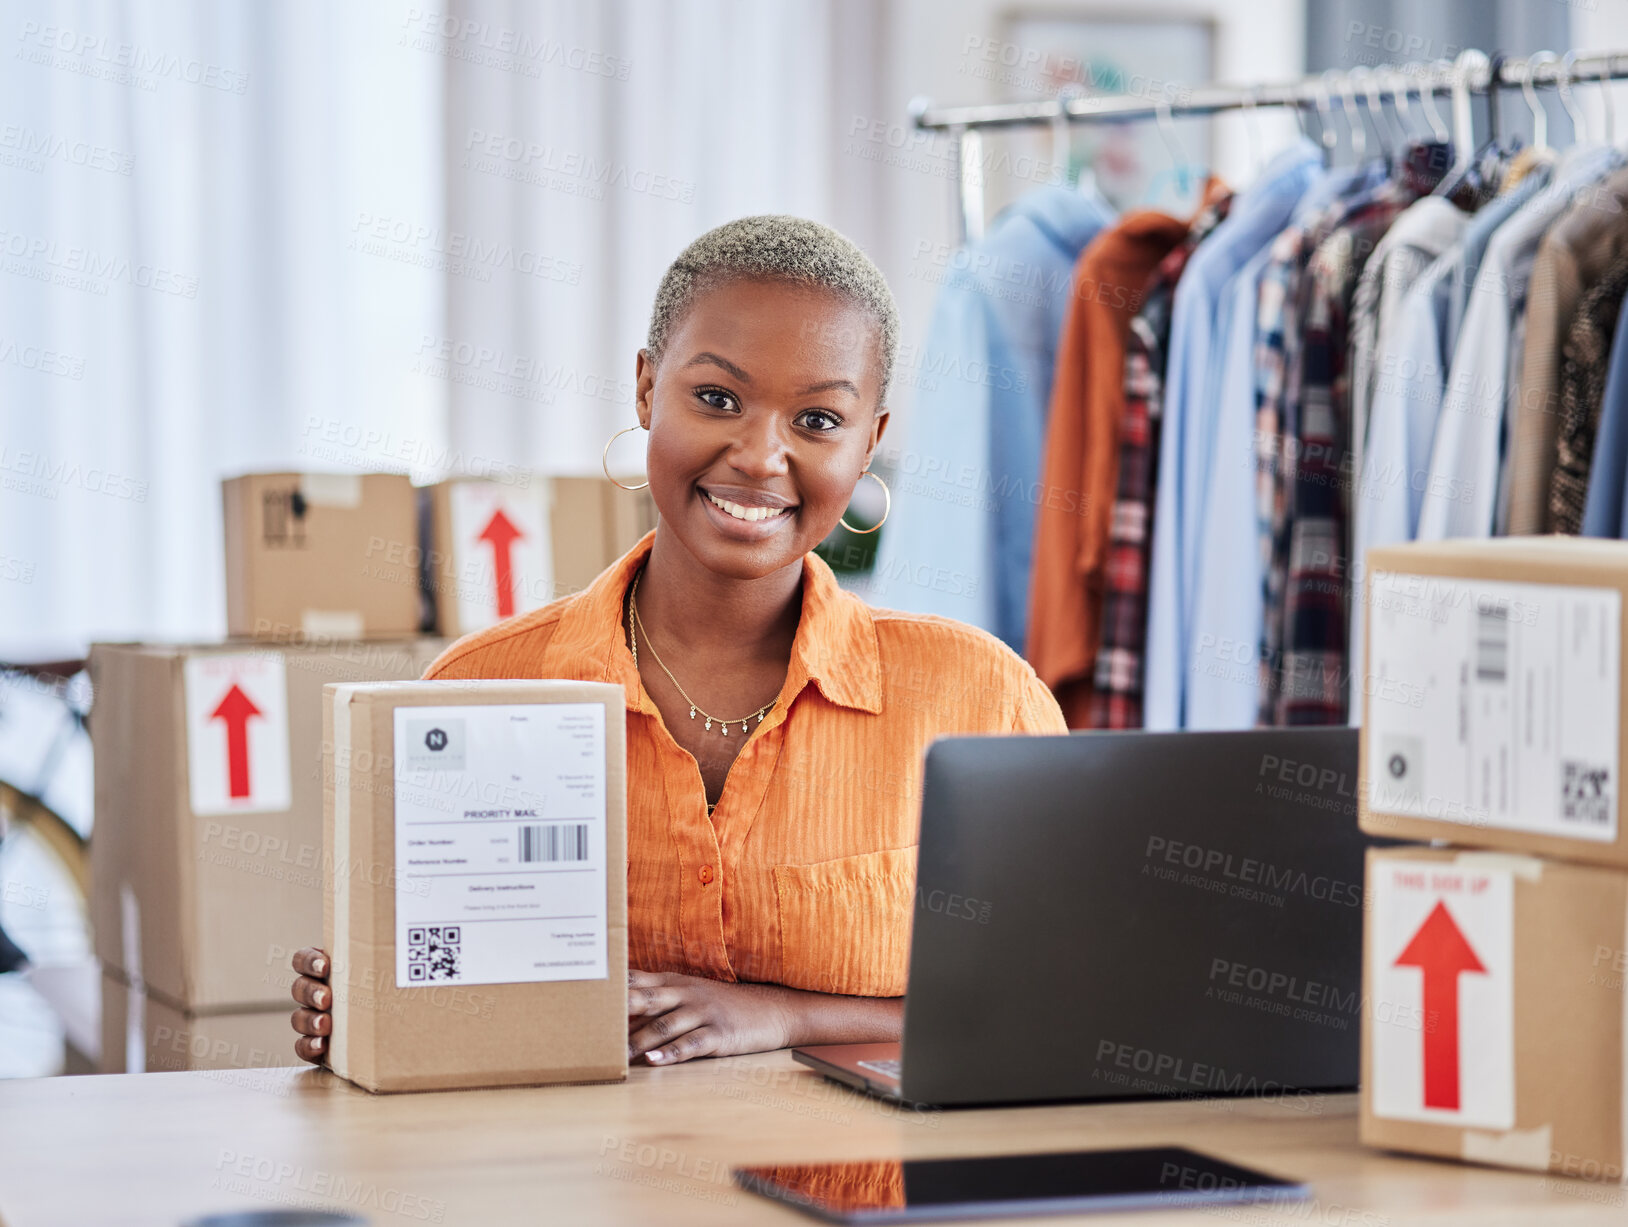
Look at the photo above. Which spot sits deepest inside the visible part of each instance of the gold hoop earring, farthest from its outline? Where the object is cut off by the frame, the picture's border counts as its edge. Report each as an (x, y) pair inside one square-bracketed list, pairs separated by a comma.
[(604, 459), (886, 508)]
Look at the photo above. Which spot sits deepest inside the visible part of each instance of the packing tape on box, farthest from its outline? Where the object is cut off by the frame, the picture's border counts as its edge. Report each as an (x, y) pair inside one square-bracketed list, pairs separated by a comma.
[(339, 1019), (321, 624), (1526, 868), (1514, 1148), (135, 998), (332, 489)]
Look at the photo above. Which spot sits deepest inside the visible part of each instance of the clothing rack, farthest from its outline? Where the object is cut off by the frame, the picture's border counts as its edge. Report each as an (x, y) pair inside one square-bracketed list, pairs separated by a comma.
[(1473, 72)]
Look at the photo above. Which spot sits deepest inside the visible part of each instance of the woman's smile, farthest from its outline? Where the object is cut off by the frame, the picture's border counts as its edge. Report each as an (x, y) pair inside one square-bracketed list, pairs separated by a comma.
[(745, 514)]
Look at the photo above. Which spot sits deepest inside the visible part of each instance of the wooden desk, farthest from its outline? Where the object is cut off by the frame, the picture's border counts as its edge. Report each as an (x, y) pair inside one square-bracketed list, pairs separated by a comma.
[(159, 1148)]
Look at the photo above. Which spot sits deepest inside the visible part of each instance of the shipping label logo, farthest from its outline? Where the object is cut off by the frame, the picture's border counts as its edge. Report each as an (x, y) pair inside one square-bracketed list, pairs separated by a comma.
[(436, 745)]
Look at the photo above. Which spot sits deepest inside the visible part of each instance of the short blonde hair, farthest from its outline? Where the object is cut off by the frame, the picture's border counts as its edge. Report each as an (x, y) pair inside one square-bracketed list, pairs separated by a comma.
[(776, 247)]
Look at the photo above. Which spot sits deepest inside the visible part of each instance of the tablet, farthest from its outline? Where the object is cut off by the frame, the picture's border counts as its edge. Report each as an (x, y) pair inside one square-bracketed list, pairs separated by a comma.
[(1068, 1182)]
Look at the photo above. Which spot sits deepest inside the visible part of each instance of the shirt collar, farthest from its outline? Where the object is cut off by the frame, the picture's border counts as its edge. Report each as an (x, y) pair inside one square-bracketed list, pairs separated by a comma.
[(835, 646)]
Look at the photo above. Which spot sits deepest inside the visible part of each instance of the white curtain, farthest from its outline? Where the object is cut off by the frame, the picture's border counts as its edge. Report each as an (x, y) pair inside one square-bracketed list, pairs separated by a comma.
[(243, 236)]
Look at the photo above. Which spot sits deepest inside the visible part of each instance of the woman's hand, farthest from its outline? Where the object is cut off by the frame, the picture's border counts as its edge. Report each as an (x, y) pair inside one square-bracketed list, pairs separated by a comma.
[(672, 1017), (311, 990)]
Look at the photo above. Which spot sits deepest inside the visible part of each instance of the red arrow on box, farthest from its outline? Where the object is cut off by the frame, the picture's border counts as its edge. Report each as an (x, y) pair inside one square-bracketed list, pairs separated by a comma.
[(235, 709), (502, 533), (1441, 953)]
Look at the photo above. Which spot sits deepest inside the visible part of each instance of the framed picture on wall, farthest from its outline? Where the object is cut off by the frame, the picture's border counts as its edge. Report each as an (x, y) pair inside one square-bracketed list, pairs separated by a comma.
[(1109, 52)]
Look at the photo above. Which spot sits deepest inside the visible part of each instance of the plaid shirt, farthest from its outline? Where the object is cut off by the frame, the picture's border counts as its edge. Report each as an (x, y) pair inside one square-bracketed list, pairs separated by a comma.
[(1311, 545), (1116, 698)]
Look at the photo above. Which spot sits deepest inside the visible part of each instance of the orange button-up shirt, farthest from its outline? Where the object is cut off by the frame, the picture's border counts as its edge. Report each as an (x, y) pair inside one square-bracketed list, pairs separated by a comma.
[(804, 874)]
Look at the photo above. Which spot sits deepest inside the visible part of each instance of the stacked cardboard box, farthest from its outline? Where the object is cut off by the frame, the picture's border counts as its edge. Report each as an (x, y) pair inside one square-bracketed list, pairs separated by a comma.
[(1494, 1025), (207, 858), (476, 904), (497, 549), (207, 861), (143, 1032), (312, 554), (368, 556)]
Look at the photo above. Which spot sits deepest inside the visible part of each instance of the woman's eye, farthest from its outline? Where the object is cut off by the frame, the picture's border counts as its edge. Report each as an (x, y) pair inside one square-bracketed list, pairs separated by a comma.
[(716, 399), (819, 420)]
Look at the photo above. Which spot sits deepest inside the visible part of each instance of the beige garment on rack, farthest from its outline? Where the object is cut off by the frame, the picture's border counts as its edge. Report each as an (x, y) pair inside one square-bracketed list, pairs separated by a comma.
[(1573, 255)]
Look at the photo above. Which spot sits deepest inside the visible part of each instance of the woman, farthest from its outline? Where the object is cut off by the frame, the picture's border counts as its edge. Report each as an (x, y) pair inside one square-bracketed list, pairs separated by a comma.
[(776, 723)]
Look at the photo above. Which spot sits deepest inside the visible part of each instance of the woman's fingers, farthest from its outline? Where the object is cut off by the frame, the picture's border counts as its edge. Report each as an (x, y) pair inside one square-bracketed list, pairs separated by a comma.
[(313, 993), (657, 999), (312, 1022), (312, 1049), (662, 1032), (312, 962), (701, 1042)]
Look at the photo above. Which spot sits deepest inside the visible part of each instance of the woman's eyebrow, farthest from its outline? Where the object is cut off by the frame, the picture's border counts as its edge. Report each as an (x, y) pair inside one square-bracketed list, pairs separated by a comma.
[(705, 356), (828, 385)]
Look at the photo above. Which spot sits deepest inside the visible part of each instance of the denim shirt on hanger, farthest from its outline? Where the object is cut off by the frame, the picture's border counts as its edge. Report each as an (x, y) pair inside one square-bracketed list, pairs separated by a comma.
[(1229, 603), (1186, 435), (960, 539)]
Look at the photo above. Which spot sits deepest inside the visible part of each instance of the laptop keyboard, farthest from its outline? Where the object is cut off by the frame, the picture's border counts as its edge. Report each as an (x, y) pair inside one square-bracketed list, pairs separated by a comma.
[(888, 1069)]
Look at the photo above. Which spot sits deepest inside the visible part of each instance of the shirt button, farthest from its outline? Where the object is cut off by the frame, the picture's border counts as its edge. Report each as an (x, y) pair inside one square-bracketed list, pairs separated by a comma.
[(705, 875)]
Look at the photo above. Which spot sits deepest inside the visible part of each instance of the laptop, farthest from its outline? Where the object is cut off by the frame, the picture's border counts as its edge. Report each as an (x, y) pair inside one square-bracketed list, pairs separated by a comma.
[(1126, 915)]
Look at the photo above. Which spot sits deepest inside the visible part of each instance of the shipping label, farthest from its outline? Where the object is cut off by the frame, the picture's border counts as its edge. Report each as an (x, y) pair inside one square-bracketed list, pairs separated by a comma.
[(500, 843), (1497, 704)]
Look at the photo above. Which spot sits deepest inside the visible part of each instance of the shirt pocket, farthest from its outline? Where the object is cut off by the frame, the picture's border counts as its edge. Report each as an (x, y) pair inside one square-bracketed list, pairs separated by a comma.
[(845, 923)]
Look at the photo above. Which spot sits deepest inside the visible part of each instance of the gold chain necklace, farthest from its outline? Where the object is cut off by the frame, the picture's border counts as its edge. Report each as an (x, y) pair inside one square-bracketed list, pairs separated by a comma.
[(633, 639)]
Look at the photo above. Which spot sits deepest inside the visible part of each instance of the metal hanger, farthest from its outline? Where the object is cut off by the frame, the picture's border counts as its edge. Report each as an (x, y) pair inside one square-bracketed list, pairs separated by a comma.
[(1326, 136), (1574, 112), (1427, 102), (1608, 105), (1252, 132), (1181, 169), (1397, 91), (1529, 89), (1463, 121), (1495, 69), (1062, 136), (1358, 134), (1388, 141)]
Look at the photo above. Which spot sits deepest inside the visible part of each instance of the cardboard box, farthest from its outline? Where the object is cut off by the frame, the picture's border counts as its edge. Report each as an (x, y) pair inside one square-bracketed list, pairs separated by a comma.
[(206, 861), (1493, 1015), (312, 554), (1493, 695), (143, 1033), (477, 908), (502, 548)]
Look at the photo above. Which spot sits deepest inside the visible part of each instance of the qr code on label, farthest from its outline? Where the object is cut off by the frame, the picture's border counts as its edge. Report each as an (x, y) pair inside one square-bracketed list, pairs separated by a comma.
[(434, 952), (1585, 793)]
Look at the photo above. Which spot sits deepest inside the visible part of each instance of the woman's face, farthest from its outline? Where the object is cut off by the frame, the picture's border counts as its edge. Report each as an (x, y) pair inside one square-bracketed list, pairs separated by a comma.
[(762, 416)]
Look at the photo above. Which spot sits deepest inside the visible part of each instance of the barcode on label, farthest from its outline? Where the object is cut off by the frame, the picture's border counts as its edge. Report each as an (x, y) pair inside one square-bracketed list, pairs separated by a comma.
[(1492, 643), (1585, 793), (560, 842)]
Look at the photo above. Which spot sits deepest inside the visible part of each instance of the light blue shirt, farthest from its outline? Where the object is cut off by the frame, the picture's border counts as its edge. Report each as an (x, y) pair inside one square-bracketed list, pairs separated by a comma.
[(959, 540), (1186, 434), (1605, 514), (1407, 371), (1223, 662)]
